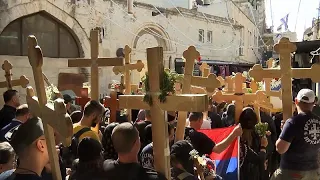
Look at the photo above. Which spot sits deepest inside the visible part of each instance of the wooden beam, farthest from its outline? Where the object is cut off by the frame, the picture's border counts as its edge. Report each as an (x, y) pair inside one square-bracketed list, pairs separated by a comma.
[(52, 117)]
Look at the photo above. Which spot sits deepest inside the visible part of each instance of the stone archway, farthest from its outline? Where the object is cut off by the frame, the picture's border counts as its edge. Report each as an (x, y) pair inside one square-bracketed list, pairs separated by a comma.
[(151, 29), (146, 38), (33, 7)]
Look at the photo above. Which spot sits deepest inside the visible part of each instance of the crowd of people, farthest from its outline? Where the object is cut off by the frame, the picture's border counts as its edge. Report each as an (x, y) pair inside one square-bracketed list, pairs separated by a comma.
[(123, 150)]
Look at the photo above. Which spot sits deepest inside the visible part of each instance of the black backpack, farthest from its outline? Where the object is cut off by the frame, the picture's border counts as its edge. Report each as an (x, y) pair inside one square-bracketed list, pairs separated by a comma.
[(69, 154)]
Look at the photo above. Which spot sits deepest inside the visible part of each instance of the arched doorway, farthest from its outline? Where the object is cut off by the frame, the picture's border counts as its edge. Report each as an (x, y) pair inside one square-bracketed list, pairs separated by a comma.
[(55, 39), (149, 35), (57, 14)]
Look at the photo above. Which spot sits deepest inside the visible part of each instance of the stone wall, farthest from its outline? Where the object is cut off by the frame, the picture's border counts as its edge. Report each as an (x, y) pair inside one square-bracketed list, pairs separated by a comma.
[(171, 30), (51, 68)]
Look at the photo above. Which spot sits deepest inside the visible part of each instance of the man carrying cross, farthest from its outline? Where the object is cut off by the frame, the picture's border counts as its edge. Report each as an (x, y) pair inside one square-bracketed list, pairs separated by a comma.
[(299, 142)]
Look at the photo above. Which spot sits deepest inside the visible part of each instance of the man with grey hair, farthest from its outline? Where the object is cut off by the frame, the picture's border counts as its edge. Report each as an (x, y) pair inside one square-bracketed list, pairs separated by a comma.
[(126, 141)]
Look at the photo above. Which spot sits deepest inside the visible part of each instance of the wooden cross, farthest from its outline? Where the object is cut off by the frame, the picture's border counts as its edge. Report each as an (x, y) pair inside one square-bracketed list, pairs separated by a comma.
[(229, 85), (126, 71), (219, 96), (286, 73), (127, 68), (210, 83), (53, 116), (222, 81), (185, 102), (9, 83), (267, 82), (205, 69), (113, 104), (258, 99), (238, 80), (95, 62)]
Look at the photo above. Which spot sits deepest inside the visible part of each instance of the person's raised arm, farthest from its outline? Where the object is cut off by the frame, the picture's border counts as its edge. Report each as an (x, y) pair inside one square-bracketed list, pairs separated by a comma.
[(221, 146)]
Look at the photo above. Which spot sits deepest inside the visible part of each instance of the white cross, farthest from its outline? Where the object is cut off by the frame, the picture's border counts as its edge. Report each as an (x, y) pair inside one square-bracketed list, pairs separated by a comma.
[(314, 132)]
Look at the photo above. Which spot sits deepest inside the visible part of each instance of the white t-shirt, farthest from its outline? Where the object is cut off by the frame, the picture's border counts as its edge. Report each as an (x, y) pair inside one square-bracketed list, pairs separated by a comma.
[(205, 125)]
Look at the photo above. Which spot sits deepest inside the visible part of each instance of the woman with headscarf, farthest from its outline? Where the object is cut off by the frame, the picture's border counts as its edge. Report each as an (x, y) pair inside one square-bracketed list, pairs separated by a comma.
[(228, 116), (252, 148)]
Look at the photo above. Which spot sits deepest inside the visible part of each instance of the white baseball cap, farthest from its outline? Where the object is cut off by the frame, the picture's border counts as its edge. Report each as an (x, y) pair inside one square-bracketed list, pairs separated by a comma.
[(306, 96)]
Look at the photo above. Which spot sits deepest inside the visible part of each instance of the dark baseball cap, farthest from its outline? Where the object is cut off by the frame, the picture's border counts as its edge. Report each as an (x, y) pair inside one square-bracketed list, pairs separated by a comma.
[(67, 98), (181, 153), (26, 134)]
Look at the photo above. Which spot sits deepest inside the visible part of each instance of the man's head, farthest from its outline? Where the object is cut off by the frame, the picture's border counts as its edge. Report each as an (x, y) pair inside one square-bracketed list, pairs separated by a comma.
[(7, 157), (94, 153), (67, 100), (196, 120), (76, 116), (305, 100), (11, 98), (148, 132), (148, 115), (180, 156), (93, 111), (23, 113), (29, 142), (126, 140)]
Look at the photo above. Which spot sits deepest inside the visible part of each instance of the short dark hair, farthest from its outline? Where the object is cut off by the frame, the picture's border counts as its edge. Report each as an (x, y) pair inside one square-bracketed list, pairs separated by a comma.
[(91, 107), (22, 110), (123, 137), (7, 96), (76, 116), (195, 116), (148, 131), (6, 152)]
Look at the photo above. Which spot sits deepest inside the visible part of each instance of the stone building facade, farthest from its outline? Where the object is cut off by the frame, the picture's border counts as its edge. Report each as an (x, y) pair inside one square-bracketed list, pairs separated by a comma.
[(62, 28)]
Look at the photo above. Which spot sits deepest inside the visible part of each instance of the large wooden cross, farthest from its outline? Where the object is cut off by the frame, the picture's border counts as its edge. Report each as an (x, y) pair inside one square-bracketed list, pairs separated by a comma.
[(185, 102), (286, 73), (9, 83), (210, 83), (95, 62), (127, 68), (55, 116), (236, 96), (126, 71)]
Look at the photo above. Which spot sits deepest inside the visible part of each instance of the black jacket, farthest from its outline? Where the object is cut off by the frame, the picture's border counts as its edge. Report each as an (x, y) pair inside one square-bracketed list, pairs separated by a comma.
[(7, 113)]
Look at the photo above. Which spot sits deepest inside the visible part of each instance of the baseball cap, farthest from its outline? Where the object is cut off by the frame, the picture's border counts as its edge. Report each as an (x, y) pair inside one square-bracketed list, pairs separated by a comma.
[(67, 98), (181, 151), (306, 96), (26, 134)]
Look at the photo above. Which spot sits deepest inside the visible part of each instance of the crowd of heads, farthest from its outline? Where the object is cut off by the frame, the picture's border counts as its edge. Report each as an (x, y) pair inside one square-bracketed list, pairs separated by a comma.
[(120, 140)]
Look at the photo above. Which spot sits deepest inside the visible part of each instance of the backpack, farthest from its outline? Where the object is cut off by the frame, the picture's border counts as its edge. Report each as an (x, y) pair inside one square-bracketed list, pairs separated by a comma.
[(69, 154)]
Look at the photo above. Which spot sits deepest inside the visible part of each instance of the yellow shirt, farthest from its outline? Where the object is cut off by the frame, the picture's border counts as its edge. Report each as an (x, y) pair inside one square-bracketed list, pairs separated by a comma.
[(91, 134)]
